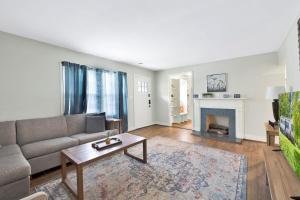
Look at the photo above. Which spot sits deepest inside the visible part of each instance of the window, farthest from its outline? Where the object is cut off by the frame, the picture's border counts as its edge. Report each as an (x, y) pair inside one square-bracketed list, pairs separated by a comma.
[(102, 92), (143, 87), (94, 90)]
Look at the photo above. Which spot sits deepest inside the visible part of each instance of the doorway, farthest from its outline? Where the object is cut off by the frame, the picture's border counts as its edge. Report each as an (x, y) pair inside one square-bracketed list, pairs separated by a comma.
[(181, 100)]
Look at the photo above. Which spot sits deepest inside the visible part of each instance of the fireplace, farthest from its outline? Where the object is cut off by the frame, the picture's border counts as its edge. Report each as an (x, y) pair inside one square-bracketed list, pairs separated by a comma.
[(220, 108), (218, 122)]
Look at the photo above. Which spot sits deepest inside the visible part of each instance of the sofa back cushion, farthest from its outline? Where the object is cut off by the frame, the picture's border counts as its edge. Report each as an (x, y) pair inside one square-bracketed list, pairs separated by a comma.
[(7, 133), (76, 123), (33, 130)]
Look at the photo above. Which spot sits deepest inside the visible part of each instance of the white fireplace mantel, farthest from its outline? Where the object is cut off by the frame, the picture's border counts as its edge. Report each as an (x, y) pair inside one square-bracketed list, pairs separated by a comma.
[(222, 103)]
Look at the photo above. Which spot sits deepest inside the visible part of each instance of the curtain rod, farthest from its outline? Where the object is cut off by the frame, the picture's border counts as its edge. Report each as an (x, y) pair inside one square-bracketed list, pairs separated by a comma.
[(93, 67)]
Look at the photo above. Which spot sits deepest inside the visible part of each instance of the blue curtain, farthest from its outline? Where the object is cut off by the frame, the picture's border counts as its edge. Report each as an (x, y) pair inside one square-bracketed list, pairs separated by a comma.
[(93, 90), (74, 88), (123, 99)]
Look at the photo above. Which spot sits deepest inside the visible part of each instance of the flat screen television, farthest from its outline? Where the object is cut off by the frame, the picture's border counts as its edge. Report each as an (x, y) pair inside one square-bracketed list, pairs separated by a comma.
[(289, 130)]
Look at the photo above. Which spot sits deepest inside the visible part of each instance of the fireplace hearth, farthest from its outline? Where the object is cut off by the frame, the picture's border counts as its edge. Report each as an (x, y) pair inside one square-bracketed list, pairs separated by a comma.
[(218, 129), (217, 124)]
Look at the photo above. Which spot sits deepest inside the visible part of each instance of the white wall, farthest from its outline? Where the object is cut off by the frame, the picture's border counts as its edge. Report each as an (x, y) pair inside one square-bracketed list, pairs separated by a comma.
[(289, 56), (30, 77), (248, 76), (30, 81)]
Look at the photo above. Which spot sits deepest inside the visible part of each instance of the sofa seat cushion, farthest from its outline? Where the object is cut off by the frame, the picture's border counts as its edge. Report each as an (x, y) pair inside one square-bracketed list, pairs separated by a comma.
[(13, 165), (45, 147), (90, 137)]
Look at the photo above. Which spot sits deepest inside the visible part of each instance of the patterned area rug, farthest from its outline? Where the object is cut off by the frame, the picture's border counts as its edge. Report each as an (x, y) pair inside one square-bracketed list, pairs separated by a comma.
[(175, 170)]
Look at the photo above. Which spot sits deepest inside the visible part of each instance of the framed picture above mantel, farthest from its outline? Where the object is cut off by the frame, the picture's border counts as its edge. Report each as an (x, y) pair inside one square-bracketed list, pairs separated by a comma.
[(217, 82)]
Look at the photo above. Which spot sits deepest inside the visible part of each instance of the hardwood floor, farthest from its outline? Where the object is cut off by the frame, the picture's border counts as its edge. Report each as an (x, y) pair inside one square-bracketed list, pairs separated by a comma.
[(186, 125), (256, 180)]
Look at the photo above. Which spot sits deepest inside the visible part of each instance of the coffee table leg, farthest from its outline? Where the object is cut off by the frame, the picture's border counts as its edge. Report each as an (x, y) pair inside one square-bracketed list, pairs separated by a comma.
[(63, 167), (144, 160), (145, 151), (79, 182), (78, 192)]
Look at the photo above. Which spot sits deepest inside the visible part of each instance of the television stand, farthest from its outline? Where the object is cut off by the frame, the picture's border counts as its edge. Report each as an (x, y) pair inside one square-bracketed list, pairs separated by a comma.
[(282, 180), (276, 149), (295, 198)]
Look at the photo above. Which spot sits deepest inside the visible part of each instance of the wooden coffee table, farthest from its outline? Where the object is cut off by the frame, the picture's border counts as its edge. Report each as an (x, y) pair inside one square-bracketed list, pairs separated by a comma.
[(84, 154)]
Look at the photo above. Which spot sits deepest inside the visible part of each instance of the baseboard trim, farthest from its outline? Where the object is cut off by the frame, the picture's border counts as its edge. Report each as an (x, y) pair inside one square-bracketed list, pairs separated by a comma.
[(162, 123), (133, 129), (247, 136), (255, 138)]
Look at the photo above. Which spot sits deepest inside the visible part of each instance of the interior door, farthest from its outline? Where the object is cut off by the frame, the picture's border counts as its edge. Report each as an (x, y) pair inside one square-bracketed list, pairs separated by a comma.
[(142, 101)]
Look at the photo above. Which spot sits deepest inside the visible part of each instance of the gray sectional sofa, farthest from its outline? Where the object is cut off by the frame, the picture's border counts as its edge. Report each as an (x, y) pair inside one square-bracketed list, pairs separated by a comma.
[(14, 168), (33, 145)]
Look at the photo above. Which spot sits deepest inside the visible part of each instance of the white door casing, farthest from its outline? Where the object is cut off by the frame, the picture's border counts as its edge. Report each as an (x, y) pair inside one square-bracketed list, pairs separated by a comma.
[(142, 101)]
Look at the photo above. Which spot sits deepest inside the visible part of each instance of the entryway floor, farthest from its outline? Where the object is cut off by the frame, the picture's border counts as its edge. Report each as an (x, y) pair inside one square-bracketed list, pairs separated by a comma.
[(185, 125)]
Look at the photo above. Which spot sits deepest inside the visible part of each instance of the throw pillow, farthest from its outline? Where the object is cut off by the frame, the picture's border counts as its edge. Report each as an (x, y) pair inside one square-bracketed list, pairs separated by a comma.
[(95, 124)]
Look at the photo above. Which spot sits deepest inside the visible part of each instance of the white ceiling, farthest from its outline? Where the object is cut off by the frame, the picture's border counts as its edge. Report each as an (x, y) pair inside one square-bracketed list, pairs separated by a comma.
[(160, 34)]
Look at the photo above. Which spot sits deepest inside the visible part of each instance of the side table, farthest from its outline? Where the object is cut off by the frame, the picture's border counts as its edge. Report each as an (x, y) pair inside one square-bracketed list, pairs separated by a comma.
[(113, 121), (271, 133)]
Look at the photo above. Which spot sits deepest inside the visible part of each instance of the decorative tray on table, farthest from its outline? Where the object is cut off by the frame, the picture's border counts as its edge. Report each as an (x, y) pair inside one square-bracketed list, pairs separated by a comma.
[(101, 144)]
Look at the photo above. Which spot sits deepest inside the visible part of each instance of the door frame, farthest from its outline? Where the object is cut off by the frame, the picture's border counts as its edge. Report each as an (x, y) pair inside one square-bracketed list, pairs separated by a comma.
[(136, 76), (172, 76)]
